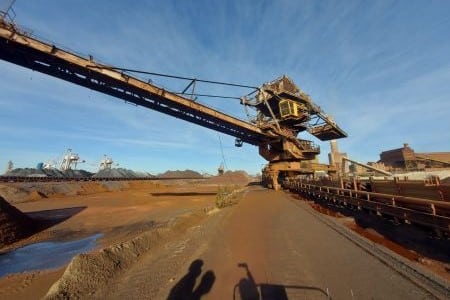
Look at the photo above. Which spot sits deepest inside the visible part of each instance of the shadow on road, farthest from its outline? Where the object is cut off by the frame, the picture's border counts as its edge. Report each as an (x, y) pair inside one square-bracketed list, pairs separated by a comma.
[(248, 289), (185, 288), (184, 194)]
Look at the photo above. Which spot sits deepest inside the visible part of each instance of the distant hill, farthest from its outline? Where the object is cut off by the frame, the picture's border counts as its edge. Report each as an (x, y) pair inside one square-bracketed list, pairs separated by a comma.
[(180, 174)]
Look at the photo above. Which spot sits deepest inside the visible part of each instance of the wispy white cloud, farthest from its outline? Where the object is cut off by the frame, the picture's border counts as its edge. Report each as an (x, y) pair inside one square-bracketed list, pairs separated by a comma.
[(381, 69)]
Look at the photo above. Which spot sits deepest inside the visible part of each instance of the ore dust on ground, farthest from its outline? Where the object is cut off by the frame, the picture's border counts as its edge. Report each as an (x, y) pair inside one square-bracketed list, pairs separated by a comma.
[(269, 244)]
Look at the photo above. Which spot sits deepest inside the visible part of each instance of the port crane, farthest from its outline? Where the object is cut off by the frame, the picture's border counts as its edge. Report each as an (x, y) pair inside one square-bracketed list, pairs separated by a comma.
[(282, 109)]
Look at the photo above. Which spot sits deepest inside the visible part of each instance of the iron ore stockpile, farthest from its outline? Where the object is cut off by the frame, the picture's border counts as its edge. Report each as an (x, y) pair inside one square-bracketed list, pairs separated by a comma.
[(117, 172), (232, 177), (120, 173), (180, 174), (32, 172)]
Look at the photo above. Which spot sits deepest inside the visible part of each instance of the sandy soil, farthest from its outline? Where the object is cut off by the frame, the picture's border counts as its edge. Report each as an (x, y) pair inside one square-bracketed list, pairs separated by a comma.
[(265, 247), (163, 241), (120, 215)]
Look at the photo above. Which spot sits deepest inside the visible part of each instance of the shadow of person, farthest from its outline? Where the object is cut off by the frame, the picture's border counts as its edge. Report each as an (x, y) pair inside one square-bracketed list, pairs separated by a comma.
[(185, 288), (205, 285)]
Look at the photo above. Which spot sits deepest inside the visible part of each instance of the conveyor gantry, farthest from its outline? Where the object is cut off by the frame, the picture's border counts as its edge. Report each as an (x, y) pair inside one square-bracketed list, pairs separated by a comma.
[(283, 110), (19, 48)]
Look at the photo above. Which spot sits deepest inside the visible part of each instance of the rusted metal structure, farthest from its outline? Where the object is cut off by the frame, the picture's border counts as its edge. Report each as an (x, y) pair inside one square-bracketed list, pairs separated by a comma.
[(345, 159), (429, 213), (431, 188), (282, 109), (406, 158), (6, 10)]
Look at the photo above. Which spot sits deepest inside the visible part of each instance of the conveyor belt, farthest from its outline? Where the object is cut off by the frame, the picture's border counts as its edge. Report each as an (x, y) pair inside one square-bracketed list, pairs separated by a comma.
[(21, 49), (429, 213)]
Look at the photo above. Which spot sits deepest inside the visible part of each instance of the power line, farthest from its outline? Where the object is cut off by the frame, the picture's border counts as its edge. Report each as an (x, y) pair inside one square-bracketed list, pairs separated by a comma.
[(210, 96), (183, 78), (193, 80)]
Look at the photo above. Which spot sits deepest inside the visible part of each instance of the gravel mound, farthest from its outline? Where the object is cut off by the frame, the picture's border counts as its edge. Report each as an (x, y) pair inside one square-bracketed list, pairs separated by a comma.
[(30, 172), (13, 193), (180, 174), (14, 224), (231, 177), (120, 173), (110, 173), (77, 173), (88, 275)]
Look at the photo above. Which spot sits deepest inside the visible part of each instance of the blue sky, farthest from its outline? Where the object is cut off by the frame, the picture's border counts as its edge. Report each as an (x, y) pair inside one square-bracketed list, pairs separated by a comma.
[(380, 68)]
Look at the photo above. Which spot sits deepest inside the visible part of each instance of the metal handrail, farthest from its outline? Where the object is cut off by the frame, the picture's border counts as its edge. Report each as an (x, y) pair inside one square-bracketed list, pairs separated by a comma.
[(382, 195), (370, 196)]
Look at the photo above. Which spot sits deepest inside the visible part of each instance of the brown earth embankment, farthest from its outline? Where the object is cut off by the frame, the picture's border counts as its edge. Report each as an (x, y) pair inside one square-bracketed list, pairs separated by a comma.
[(14, 224)]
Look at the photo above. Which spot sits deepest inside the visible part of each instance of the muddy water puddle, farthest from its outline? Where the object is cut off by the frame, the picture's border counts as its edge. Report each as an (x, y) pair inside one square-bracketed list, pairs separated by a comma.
[(44, 255)]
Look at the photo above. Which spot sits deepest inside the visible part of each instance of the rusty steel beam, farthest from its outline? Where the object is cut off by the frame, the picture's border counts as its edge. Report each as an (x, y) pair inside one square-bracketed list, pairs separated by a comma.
[(420, 157), (365, 166), (19, 48)]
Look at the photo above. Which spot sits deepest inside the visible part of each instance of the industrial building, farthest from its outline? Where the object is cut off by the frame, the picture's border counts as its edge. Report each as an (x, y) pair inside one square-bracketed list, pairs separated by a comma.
[(406, 158)]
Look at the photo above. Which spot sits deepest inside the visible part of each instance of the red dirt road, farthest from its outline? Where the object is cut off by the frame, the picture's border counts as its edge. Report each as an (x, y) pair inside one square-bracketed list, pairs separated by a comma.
[(284, 245), (266, 247)]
